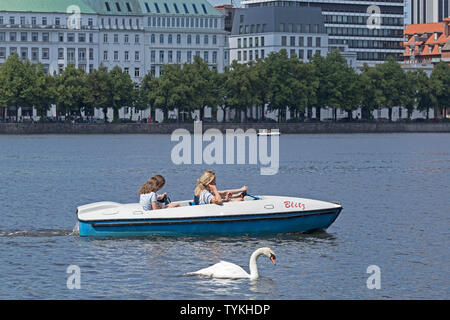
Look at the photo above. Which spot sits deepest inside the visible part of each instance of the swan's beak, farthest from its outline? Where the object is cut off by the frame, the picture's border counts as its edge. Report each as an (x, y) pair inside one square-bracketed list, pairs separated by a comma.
[(272, 258)]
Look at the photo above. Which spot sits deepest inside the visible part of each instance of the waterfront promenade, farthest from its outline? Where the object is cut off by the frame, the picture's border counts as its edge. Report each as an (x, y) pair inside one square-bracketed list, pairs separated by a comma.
[(168, 128)]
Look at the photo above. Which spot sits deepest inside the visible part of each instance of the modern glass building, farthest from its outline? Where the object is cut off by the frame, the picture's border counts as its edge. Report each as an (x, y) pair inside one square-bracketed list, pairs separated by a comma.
[(429, 11), (371, 29)]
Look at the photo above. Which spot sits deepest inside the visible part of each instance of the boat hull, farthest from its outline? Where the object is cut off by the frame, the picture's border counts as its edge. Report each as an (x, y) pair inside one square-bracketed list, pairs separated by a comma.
[(235, 225)]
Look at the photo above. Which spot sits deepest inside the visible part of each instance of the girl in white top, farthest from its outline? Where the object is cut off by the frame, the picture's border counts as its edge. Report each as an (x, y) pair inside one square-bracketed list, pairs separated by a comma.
[(148, 197), (206, 191)]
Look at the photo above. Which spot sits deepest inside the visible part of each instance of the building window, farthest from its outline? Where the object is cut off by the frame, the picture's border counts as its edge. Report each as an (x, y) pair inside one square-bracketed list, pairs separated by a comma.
[(161, 56), (262, 42), (105, 38), (178, 39), (189, 56), (318, 42), (105, 55), (45, 37), (136, 39), (12, 36), (116, 55), (205, 41), (71, 37), (2, 53), (60, 53), (91, 54), (300, 42), (292, 41), (34, 54), (169, 39), (301, 54), (137, 56), (239, 56), (127, 56), (178, 56), (23, 36), (152, 56), (283, 40), (152, 38), (161, 38), (169, 56), (82, 54), (189, 39), (71, 55), (61, 37), (45, 53), (82, 37), (116, 38), (206, 56), (310, 40)]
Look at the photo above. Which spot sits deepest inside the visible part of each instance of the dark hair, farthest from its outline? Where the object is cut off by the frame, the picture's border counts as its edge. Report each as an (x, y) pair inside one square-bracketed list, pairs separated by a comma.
[(160, 181)]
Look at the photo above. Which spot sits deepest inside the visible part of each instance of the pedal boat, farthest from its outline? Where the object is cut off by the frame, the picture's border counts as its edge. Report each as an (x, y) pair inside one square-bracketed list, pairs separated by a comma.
[(256, 215)]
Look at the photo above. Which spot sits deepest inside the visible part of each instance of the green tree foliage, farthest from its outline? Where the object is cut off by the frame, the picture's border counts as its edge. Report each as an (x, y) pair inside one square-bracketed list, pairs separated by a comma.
[(99, 92), (440, 87), (70, 91), (17, 84), (123, 93), (278, 83)]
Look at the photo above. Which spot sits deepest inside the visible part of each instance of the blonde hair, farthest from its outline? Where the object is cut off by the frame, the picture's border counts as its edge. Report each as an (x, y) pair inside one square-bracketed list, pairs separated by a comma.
[(150, 186), (207, 177)]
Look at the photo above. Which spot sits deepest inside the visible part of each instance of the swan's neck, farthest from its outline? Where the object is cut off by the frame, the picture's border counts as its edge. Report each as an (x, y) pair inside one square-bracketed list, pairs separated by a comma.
[(253, 266)]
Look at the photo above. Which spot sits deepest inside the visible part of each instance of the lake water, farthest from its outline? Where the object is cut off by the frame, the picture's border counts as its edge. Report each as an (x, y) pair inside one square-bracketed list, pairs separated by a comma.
[(394, 189)]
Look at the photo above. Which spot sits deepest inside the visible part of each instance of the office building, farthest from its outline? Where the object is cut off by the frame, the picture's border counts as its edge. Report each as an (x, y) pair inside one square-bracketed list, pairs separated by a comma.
[(258, 31), (371, 29), (429, 11)]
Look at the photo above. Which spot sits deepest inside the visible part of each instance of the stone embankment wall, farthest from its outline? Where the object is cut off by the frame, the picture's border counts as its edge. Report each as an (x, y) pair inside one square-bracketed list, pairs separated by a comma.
[(168, 128)]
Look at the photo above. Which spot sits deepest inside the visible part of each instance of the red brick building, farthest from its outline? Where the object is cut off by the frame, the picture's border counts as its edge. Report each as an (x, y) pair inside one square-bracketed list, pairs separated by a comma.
[(426, 43)]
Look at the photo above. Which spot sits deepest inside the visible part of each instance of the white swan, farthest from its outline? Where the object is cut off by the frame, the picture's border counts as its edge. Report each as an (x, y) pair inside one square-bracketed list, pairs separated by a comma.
[(229, 270)]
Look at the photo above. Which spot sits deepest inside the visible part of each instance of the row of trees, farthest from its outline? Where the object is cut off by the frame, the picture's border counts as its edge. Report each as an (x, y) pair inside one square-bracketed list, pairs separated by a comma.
[(277, 83)]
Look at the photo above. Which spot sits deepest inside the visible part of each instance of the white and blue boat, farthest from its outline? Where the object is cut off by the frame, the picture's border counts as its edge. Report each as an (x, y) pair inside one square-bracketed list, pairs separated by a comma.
[(256, 215)]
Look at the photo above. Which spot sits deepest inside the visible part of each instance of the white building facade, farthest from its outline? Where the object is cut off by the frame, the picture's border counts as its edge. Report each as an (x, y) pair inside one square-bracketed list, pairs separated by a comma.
[(137, 35)]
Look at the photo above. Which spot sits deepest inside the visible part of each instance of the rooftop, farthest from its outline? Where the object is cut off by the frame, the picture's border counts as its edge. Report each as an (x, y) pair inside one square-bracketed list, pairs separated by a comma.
[(114, 7), (53, 6)]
